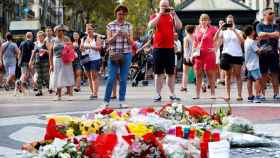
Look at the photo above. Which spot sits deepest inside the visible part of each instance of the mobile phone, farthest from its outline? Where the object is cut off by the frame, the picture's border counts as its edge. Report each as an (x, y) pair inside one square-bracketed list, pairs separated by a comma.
[(227, 25)]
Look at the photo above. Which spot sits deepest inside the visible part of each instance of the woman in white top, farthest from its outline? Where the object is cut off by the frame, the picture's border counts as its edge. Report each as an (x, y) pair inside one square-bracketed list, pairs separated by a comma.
[(188, 43), (91, 45), (232, 55)]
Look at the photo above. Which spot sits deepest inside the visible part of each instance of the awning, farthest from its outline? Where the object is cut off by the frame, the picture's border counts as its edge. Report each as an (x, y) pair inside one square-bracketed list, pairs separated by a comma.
[(25, 25), (190, 10)]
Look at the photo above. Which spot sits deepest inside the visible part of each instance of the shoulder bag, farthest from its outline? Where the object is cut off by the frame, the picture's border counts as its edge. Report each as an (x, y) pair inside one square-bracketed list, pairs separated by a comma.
[(196, 51)]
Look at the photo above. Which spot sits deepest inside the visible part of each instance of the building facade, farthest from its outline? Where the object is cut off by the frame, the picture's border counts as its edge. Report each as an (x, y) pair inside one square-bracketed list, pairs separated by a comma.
[(47, 12), (262, 4)]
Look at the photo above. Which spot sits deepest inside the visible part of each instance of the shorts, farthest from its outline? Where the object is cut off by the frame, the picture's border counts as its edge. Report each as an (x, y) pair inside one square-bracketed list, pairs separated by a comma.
[(206, 61), (93, 65), (187, 63), (269, 63), (227, 61), (77, 65), (10, 70), (254, 74), (24, 68), (164, 60)]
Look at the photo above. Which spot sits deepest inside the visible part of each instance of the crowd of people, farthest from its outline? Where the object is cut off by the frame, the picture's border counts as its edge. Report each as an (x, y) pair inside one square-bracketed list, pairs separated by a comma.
[(216, 53)]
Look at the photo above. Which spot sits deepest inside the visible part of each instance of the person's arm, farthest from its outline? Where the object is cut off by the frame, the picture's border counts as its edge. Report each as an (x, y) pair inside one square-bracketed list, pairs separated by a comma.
[(31, 61), (265, 35), (177, 21), (1, 55), (18, 52), (218, 35), (154, 21), (98, 44), (51, 56)]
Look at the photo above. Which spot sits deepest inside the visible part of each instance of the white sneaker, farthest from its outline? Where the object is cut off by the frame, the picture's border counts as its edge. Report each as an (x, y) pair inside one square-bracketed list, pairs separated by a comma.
[(104, 105), (123, 105)]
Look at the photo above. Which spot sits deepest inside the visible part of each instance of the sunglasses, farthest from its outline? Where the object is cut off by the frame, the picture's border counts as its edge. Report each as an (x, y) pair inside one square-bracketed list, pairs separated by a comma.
[(271, 13)]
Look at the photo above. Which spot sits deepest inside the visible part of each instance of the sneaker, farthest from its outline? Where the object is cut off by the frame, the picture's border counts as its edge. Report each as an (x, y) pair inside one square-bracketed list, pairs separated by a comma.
[(157, 99), (262, 98), (104, 105), (39, 93), (251, 99), (276, 97), (77, 89), (174, 98), (123, 105), (257, 99), (6, 86)]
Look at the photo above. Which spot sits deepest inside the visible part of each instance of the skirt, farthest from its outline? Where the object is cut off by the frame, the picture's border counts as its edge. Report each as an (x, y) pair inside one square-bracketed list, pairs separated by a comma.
[(62, 75)]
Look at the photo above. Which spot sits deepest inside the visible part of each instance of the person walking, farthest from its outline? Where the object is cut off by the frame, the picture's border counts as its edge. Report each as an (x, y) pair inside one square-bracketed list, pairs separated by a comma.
[(188, 44), (8, 59), (77, 62), (268, 33), (91, 47), (26, 48), (232, 55), (206, 59), (63, 74), (40, 60), (120, 38), (164, 24)]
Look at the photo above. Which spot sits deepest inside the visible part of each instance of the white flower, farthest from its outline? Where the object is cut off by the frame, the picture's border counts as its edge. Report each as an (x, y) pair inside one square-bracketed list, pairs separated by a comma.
[(47, 151), (168, 109), (64, 155)]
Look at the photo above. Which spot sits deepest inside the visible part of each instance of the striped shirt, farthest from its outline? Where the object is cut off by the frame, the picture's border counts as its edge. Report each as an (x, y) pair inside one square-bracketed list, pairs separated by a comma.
[(121, 44)]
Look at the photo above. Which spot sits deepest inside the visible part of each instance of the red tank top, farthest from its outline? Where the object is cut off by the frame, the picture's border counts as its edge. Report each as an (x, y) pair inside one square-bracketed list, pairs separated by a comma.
[(164, 32)]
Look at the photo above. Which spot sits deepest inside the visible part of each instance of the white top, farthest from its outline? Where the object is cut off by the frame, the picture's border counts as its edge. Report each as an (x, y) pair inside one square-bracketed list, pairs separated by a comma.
[(93, 54), (188, 50), (251, 56), (231, 43), (178, 48)]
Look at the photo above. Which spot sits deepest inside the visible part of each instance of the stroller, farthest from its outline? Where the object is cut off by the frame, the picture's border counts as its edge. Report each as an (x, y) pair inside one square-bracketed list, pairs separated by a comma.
[(142, 62)]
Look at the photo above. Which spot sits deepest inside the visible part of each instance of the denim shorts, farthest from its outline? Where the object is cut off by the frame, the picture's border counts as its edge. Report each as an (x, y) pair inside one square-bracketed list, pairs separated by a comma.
[(254, 74), (93, 65)]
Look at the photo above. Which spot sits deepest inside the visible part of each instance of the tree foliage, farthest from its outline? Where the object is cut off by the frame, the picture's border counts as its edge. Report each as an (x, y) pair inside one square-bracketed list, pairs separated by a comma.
[(101, 12)]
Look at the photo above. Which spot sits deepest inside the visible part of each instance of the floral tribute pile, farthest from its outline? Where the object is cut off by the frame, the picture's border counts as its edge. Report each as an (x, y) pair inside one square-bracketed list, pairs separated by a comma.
[(174, 131)]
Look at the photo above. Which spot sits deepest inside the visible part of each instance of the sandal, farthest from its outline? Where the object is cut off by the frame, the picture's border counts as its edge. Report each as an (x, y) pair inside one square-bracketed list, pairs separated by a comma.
[(195, 98), (183, 89), (239, 98)]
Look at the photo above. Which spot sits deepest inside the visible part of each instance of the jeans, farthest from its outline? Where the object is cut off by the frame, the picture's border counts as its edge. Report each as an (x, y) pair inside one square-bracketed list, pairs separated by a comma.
[(112, 71)]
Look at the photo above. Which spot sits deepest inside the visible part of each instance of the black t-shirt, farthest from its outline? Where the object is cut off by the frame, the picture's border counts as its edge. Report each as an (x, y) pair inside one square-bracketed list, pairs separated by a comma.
[(26, 48), (273, 42)]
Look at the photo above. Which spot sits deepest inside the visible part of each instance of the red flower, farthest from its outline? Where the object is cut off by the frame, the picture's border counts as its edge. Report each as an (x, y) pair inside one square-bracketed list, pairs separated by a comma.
[(147, 110), (197, 112), (129, 139), (102, 147), (106, 111), (52, 132)]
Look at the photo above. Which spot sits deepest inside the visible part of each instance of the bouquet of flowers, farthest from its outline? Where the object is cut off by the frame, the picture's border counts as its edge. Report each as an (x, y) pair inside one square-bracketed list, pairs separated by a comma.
[(176, 112)]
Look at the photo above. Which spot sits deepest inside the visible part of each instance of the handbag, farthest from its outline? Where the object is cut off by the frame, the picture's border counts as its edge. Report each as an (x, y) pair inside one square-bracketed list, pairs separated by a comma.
[(116, 58), (68, 54), (85, 59), (196, 51)]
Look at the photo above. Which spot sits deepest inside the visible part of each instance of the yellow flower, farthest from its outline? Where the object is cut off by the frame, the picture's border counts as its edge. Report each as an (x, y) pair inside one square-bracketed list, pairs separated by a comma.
[(138, 129), (70, 133)]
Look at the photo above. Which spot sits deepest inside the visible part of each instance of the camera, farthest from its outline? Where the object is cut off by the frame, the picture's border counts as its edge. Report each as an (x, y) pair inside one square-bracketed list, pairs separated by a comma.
[(227, 25)]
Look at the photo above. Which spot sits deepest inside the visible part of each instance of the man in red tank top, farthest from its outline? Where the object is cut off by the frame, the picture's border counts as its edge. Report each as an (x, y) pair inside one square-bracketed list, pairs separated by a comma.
[(164, 23)]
